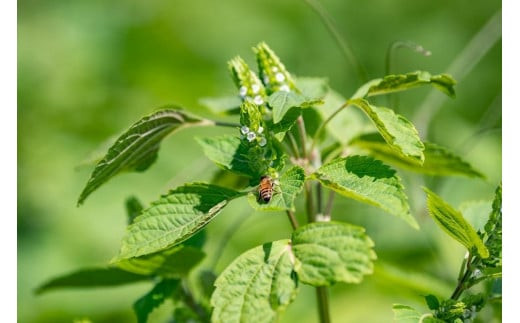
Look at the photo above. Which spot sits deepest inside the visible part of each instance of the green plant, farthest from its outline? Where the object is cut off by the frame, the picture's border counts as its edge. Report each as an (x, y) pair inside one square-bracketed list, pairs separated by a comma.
[(306, 138)]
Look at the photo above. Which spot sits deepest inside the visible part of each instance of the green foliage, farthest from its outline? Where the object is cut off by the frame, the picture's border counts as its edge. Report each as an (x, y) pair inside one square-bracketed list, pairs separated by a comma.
[(403, 82), (174, 218), (257, 286), (405, 314), (331, 252), (281, 102), (222, 104), (154, 298), (369, 181), (492, 235), (438, 161), (90, 278), (454, 224), (137, 148), (272, 72), (285, 191), (398, 132), (133, 208)]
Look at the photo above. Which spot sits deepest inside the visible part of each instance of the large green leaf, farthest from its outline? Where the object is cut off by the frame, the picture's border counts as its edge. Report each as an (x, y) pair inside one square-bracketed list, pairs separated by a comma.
[(174, 218), (281, 102), (91, 278), (454, 224), (403, 82), (137, 148), (284, 193), (175, 262), (367, 180), (154, 298), (405, 314), (331, 252), (257, 286), (397, 131), (438, 161)]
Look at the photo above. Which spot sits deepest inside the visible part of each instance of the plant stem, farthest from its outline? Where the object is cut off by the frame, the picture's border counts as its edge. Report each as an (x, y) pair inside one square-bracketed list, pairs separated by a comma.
[(191, 303), (323, 304), (330, 202), (309, 204), (324, 123), (462, 280), (319, 207), (292, 219), (342, 44), (303, 134), (294, 146), (226, 124)]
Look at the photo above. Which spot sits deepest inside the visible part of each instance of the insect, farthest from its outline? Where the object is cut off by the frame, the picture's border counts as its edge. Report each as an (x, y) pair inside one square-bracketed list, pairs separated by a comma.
[(265, 189)]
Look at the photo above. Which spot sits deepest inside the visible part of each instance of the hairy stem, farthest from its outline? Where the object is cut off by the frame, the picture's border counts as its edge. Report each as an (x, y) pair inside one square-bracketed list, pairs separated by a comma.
[(342, 44), (309, 204), (292, 219)]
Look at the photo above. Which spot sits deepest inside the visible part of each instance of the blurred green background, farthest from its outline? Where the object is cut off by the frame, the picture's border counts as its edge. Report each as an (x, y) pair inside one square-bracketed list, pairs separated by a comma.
[(89, 69)]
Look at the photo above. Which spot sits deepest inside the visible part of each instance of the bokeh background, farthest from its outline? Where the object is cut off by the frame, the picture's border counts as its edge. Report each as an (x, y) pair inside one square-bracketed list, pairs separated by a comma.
[(89, 69)]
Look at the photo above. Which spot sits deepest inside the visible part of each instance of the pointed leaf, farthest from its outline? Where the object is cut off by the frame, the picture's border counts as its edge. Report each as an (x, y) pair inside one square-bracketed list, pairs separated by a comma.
[(175, 262), (281, 102), (454, 224), (438, 161), (367, 180), (403, 82), (174, 218), (331, 252), (284, 193), (257, 286), (154, 298), (222, 104), (397, 131), (91, 278), (137, 148)]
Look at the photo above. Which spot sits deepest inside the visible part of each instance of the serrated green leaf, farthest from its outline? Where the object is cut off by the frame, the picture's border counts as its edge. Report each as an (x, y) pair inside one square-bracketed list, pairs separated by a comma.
[(91, 278), (174, 218), (397, 131), (257, 286), (133, 208), (175, 262), (154, 298), (229, 105), (405, 314), (285, 192), (281, 102), (454, 224), (369, 181), (331, 252), (243, 157), (438, 161), (403, 82), (137, 148)]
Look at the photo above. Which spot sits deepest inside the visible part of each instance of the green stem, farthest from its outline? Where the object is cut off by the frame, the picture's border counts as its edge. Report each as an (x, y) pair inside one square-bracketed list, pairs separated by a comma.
[(330, 202), (294, 146), (461, 285), (309, 204), (324, 124), (323, 304), (226, 124), (292, 219), (303, 134), (342, 44)]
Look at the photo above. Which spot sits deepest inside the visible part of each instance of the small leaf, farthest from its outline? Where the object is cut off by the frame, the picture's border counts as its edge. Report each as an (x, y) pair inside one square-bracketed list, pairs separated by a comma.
[(405, 314), (369, 181), (454, 224), (133, 208), (137, 148), (438, 161), (397, 131), (432, 302), (257, 286), (174, 218), (222, 105), (284, 194), (331, 252), (91, 278), (403, 82), (154, 298), (281, 102), (175, 262)]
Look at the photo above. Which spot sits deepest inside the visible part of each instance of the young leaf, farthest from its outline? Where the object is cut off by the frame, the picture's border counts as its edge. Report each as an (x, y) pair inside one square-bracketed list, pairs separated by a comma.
[(257, 286), (454, 224), (154, 298), (438, 161), (405, 314), (403, 82), (397, 131), (331, 252), (284, 193), (137, 148), (367, 180), (91, 278), (222, 105), (281, 102), (133, 208), (174, 218), (175, 262)]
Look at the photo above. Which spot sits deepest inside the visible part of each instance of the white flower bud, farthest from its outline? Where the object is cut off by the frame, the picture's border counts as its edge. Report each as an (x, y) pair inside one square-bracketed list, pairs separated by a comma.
[(280, 77), (244, 130), (258, 100), (251, 136), (243, 91), (262, 142), (255, 88), (260, 129), (285, 88)]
